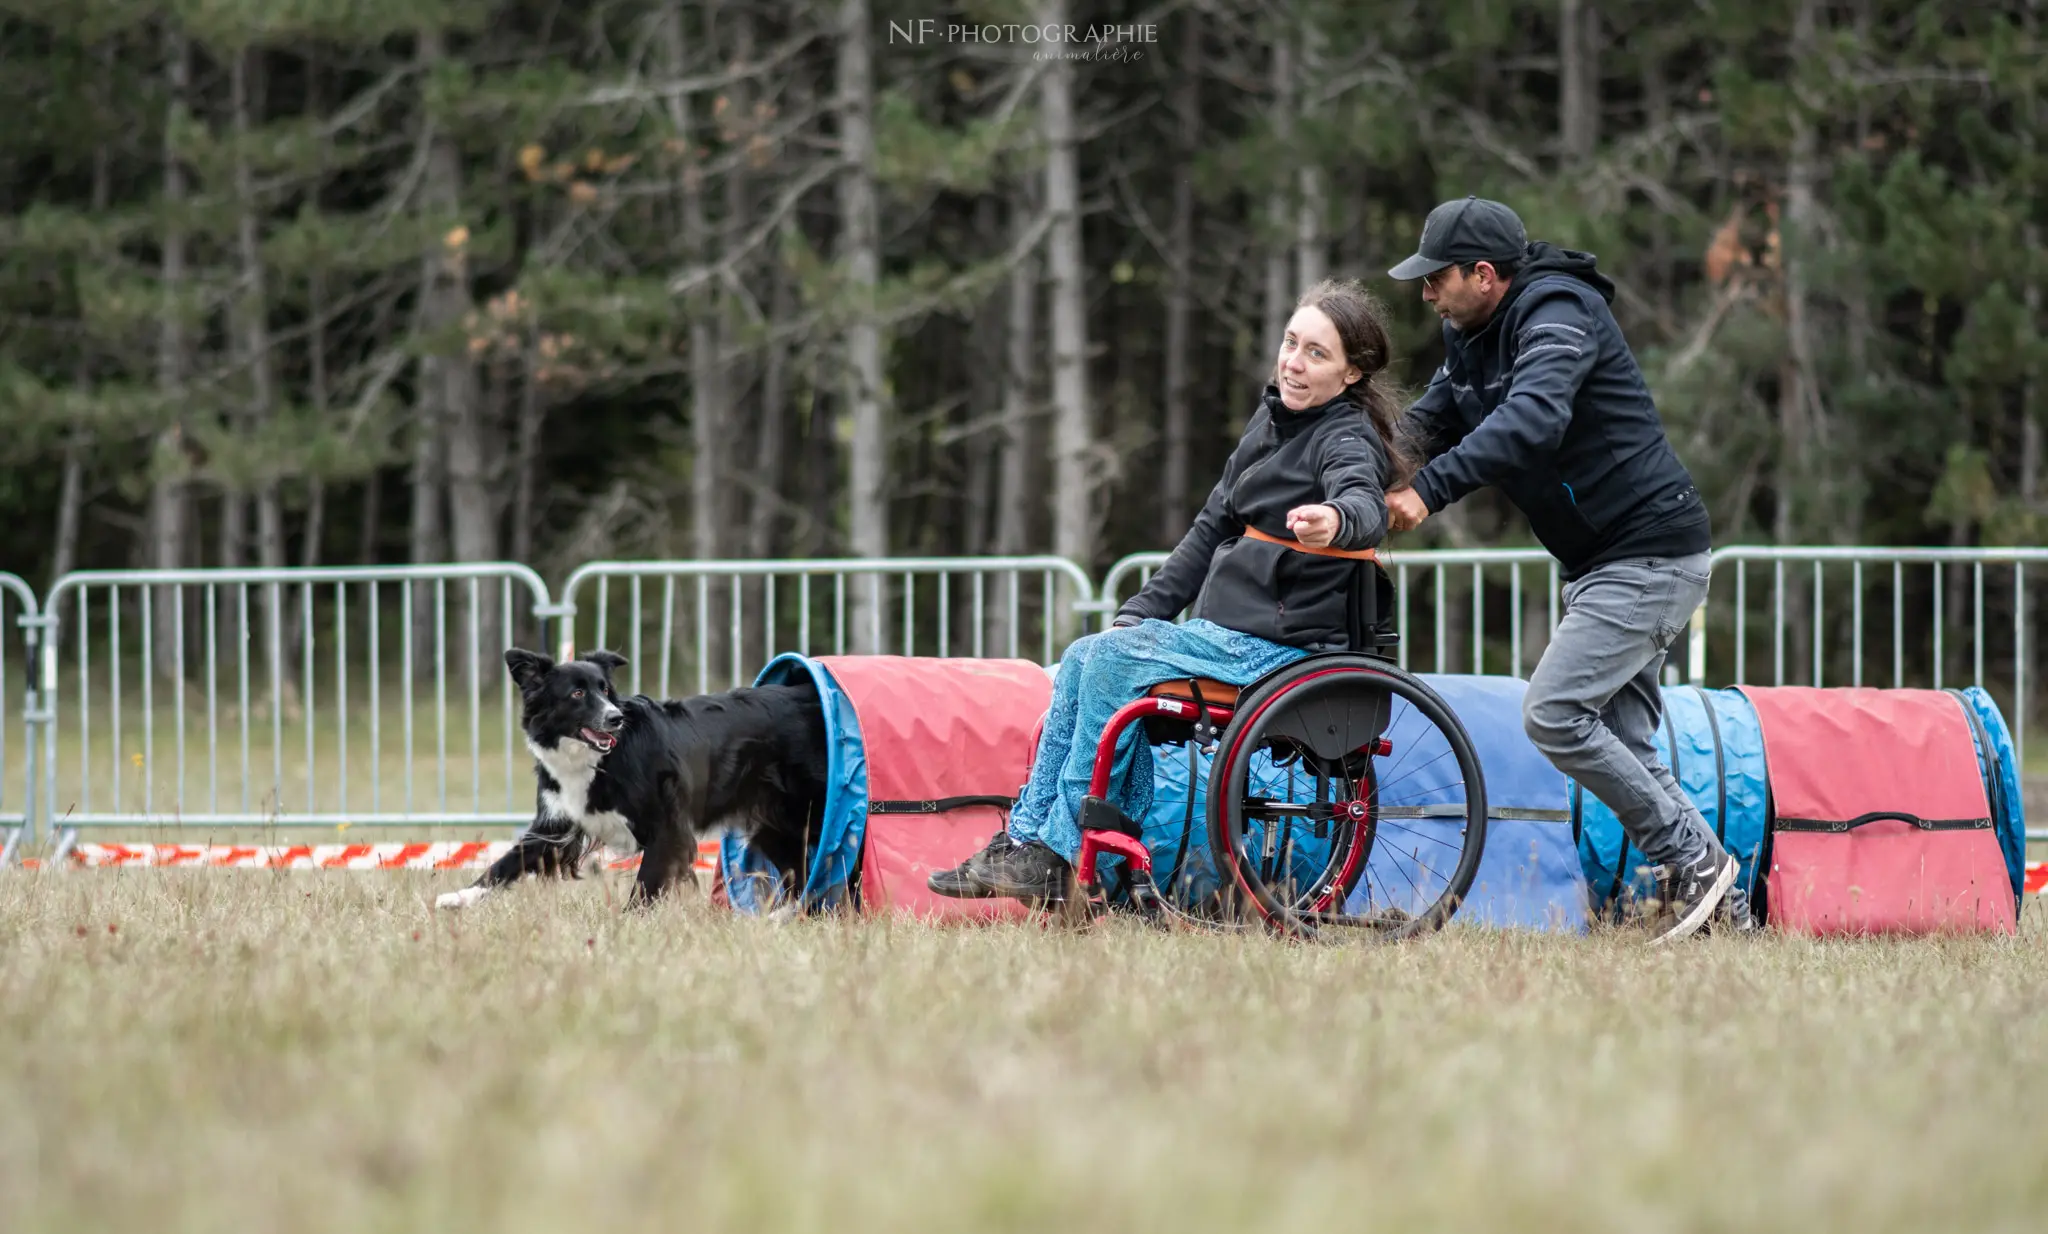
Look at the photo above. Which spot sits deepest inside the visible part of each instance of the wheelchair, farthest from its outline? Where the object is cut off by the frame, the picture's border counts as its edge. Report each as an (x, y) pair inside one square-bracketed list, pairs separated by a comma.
[(1344, 798)]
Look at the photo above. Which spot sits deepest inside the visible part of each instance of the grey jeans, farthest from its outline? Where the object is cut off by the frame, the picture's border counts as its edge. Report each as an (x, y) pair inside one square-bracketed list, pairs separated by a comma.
[(1594, 701)]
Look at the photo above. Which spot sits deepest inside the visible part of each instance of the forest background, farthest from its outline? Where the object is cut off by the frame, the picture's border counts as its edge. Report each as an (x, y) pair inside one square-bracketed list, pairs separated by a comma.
[(333, 281)]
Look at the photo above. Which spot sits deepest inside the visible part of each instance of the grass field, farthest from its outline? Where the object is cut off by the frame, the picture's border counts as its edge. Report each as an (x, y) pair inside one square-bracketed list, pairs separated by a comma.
[(319, 1051)]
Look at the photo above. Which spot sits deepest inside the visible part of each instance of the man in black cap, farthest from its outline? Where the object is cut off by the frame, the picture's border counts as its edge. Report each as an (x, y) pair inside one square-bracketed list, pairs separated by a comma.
[(1540, 396)]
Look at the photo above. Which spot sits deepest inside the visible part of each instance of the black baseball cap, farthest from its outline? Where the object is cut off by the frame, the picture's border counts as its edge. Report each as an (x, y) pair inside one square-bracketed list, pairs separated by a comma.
[(1469, 229)]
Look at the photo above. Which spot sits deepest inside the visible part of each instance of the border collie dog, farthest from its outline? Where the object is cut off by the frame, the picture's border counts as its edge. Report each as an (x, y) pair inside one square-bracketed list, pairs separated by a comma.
[(647, 775)]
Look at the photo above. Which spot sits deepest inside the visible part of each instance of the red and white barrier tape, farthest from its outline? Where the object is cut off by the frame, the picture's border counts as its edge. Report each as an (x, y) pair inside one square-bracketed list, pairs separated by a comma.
[(443, 855)]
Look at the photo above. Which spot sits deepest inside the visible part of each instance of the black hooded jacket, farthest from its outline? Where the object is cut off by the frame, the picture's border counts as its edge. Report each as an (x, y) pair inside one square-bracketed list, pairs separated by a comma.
[(1546, 402), (1327, 455)]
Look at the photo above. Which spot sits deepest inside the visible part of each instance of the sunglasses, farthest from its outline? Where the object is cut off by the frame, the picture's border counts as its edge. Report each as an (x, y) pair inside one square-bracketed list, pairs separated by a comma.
[(1435, 279)]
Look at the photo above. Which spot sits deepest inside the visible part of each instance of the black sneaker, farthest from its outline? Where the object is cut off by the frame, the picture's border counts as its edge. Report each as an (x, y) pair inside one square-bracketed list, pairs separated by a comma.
[(1734, 916), (1030, 872), (1692, 893)]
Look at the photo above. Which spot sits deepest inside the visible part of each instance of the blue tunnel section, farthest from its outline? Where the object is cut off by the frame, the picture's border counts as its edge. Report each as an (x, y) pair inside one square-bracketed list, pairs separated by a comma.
[(1529, 874), (835, 855), (1714, 746), (1999, 762)]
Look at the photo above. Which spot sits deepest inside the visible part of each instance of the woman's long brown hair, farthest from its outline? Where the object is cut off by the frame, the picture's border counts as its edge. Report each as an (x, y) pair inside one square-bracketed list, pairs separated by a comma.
[(1361, 324)]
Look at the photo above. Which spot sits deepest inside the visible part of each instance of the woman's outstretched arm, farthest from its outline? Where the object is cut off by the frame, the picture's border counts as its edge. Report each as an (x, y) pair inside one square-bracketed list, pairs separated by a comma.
[(1354, 467)]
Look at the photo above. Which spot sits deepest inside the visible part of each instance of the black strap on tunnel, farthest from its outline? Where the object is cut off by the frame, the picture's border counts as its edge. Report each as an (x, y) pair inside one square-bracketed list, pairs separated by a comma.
[(1850, 824), (1720, 769), (938, 805)]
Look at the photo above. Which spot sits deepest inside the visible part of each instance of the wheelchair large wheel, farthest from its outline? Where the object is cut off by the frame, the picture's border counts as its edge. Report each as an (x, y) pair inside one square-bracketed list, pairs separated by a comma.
[(1345, 798)]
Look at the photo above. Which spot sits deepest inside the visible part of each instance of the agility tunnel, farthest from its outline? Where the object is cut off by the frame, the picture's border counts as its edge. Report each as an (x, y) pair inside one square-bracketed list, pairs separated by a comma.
[(1840, 805), (925, 755), (1711, 741), (1882, 813), (1850, 810)]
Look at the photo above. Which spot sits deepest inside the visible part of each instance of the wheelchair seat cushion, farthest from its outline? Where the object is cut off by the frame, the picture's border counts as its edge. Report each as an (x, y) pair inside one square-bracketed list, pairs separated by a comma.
[(1213, 692)]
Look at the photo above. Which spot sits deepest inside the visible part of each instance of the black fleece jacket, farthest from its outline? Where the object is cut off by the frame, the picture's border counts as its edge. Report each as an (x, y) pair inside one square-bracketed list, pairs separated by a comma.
[(1546, 402), (1328, 455)]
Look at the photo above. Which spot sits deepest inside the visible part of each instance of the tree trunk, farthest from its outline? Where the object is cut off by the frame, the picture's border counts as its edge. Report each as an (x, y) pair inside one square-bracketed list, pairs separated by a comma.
[(253, 342), (1578, 75), (821, 462), (860, 252), (1657, 104), (707, 397), (451, 377), (71, 492), (316, 486), (170, 499), (1310, 256), (740, 437), (1176, 468), (1799, 403), (771, 449), (429, 533), (316, 342), (367, 533), (532, 417), (710, 416), (1280, 291), (449, 384), (1073, 535), (983, 353), (1018, 480)]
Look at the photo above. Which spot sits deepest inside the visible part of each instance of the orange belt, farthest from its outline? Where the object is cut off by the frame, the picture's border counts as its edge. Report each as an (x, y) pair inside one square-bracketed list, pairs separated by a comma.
[(1355, 554)]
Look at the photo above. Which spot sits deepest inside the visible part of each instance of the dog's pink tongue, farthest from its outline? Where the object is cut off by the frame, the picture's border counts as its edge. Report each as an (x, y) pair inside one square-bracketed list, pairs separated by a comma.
[(602, 741)]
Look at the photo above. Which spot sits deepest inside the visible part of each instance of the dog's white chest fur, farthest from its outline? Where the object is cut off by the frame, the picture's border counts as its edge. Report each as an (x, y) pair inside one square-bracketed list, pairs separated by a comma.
[(573, 764)]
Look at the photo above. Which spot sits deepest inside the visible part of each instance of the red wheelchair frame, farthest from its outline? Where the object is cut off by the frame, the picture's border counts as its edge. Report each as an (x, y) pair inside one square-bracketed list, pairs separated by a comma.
[(1208, 721), (1233, 723)]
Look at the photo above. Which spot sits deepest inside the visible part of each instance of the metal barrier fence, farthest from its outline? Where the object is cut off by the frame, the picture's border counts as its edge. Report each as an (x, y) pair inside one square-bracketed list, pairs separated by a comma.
[(1922, 596), (736, 615), (1461, 590), (347, 696), (17, 772), (302, 675)]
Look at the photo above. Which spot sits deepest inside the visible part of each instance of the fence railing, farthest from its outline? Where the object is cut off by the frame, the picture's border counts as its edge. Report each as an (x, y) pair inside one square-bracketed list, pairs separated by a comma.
[(1461, 590), (378, 697), (287, 698), (1918, 617), (713, 624)]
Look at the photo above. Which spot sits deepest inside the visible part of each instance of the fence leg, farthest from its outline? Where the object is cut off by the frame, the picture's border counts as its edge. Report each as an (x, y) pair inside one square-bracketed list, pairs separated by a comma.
[(39, 634), (13, 843), (65, 843), (564, 614)]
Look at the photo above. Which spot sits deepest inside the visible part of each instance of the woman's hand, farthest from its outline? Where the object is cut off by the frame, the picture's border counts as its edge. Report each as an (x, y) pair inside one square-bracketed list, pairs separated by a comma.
[(1315, 526)]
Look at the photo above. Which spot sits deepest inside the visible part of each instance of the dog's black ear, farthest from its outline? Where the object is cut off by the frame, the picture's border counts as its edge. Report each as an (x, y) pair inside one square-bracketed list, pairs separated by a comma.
[(606, 660), (527, 667)]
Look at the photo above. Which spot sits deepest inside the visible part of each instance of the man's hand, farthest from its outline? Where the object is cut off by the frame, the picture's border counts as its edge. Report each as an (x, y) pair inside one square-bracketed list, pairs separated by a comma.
[(1315, 526), (1405, 510)]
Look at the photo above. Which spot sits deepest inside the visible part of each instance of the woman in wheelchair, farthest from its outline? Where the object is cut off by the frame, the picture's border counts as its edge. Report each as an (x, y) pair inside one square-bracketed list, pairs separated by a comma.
[(1272, 565)]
